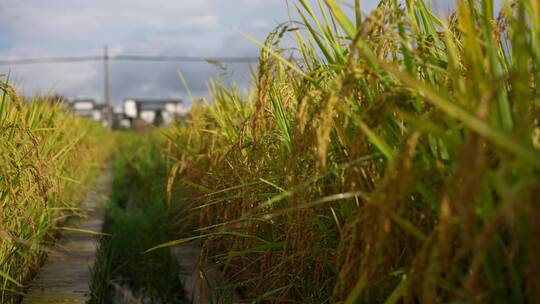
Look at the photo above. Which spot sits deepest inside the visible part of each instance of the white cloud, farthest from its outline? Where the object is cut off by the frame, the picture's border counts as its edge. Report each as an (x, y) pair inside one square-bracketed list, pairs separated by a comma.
[(204, 21), (262, 23)]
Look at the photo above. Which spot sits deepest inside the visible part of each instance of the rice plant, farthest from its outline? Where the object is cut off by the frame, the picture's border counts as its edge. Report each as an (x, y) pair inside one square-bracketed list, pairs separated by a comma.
[(47, 159), (394, 160)]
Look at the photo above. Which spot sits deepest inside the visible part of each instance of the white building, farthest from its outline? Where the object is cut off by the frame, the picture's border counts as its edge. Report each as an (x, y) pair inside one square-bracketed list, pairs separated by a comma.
[(90, 109), (119, 118), (154, 111)]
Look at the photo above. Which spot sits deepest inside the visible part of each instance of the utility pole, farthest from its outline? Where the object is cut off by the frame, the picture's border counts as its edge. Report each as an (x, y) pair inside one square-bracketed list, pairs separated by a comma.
[(107, 95)]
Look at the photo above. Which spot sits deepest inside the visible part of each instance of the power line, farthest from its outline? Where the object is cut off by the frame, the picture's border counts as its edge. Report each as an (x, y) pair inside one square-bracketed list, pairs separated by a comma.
[(68, 59), (186, 58), (50, 60), (106, 59)]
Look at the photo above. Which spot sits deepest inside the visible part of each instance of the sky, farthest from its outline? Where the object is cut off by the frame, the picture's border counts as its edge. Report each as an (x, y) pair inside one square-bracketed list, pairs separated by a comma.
[(46, 28)]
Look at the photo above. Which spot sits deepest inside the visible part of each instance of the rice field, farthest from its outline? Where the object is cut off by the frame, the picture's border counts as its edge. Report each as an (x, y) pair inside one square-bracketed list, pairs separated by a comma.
[(47, 158), (388, 157)]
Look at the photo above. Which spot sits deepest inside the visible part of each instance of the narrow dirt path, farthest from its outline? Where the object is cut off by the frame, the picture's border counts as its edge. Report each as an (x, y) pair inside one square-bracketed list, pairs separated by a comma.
[(65, 276)]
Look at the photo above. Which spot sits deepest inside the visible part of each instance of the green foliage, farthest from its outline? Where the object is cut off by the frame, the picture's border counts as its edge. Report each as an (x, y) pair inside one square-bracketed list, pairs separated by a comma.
[(137, 218)]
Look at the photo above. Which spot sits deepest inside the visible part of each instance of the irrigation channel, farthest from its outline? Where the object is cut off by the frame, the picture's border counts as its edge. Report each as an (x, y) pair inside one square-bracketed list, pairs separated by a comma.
[(100, 254)]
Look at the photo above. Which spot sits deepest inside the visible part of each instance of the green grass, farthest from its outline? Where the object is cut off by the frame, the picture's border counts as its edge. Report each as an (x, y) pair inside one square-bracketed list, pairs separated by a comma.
[(396, 162), (47, 160), (137, 218)]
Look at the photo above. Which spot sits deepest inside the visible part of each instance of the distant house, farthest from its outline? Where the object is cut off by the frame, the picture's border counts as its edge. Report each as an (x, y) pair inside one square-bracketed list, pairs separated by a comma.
[(120, 120), (83, 107), (154, 111), (90, 109)]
